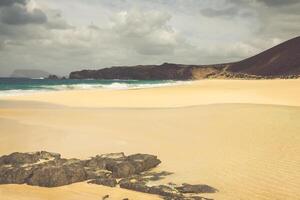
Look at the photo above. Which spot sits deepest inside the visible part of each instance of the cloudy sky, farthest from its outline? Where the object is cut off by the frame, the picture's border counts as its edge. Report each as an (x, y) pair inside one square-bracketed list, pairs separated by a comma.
[(60, 36)]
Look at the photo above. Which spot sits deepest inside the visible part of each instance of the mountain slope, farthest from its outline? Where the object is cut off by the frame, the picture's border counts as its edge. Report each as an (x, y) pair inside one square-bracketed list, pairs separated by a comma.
[(281, 60)]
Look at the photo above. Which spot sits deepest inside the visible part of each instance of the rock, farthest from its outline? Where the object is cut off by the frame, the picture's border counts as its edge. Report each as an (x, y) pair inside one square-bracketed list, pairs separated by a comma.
[(16, 175), (122, 166), (53, 77), (94, 173), (140, 186), (164, 190), (47, 169), (58, 174), (50, 170), (111, 182), (105, 197), (143, 162), (187, 188), (123, 169), (17, 158)]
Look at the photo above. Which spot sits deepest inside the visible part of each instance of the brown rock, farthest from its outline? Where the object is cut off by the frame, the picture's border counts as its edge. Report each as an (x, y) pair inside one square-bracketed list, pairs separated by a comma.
[(187, 188), (110, 182)]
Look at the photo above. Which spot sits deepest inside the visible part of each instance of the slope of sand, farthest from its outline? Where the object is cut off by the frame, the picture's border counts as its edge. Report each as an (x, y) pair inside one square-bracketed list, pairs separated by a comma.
[(247, 151), (280, 92)]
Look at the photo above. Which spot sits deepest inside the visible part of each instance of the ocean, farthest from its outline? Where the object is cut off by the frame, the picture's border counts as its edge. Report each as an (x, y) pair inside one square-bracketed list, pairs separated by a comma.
[(19, 86)]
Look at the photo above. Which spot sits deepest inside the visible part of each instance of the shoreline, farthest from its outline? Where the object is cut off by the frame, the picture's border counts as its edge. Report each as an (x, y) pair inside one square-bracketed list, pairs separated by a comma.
[(241, 137), (274, 92)]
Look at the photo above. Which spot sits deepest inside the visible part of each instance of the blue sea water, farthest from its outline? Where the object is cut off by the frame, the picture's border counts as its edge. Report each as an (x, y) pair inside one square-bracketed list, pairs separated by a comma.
[(15, 86)]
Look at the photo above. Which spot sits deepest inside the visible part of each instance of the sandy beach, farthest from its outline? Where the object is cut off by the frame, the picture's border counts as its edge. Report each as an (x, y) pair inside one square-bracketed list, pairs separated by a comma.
[(239, 136)]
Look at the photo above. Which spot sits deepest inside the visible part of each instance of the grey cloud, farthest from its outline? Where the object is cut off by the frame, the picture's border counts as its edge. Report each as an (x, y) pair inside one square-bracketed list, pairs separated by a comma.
[(20, 15), (146, 32), (278, 2), (11, 2), (211, 12), (56, 21), (123, 32)]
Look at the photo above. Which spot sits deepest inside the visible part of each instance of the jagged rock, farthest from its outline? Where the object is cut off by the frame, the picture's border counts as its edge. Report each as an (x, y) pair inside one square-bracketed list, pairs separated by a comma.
[(164, 190), (9, 175), (17, 158), (111, 182), (143, 162), (50, 170), (134, 164), (94, 173), (140, 186), (133, 184), (187, 188), (53, 77), (123, 169), (122, 166), (59, 174)]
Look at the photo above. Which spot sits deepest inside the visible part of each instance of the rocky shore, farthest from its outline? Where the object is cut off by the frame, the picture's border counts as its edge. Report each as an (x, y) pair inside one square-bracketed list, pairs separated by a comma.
[(131, 172)]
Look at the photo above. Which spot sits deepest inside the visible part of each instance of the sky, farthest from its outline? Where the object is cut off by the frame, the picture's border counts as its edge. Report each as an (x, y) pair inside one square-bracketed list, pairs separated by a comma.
[(60, 36)]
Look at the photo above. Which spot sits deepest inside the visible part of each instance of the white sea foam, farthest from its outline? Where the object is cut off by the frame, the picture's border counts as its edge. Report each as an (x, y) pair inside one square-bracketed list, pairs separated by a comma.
[(86, 86)]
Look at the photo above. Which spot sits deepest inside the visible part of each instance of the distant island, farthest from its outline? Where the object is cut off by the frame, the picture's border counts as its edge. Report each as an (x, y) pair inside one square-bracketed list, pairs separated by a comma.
[(281, 61), (29, 73)]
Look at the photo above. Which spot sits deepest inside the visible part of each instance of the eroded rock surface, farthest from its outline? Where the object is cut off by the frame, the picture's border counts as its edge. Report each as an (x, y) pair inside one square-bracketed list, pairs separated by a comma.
[(188, 188), (131, 172), (50, 170)]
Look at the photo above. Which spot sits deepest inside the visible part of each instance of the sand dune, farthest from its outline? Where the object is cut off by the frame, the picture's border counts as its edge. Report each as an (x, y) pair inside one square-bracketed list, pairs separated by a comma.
[(247, 151)]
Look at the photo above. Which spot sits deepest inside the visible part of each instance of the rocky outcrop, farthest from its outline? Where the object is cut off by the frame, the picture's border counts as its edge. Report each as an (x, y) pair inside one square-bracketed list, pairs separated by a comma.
[(188, 188), (131, 172), (58, 173), (50, 170), (106, 181), (17, 159)]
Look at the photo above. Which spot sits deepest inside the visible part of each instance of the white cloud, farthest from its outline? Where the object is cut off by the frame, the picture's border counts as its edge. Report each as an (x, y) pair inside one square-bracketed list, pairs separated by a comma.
[(79, 34)]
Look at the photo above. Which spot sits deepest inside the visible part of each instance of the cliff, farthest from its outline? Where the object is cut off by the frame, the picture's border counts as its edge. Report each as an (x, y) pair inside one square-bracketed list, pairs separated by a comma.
[(281, 61)]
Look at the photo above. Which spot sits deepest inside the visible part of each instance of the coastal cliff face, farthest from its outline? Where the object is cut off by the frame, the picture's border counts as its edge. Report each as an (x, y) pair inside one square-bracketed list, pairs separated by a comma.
[(281, 61), (166, 71)]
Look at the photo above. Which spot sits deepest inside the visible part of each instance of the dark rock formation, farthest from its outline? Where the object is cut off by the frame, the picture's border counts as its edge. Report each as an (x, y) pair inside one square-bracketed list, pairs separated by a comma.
[(50, 170), (17, 175), (53, 77), (53, 174), (111, 182), (17, 159), (134, 164), (187, 188)]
